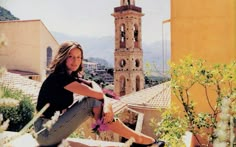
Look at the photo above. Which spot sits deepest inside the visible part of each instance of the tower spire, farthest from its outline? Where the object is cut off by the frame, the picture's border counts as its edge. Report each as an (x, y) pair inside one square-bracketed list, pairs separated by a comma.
[(127, 2)]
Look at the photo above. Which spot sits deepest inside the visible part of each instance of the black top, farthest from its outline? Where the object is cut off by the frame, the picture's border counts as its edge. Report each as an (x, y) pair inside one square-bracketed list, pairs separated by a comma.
[(54, 93)]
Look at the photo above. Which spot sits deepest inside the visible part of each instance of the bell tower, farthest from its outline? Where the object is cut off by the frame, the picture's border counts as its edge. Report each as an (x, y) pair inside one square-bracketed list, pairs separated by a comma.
[(128, 54)]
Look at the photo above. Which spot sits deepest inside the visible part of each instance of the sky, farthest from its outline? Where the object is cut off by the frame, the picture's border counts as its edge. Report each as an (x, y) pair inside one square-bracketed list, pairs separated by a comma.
[(90, 18)]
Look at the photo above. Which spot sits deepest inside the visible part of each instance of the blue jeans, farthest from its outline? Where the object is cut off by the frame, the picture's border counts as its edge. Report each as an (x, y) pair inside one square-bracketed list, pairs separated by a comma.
[(67, 123)]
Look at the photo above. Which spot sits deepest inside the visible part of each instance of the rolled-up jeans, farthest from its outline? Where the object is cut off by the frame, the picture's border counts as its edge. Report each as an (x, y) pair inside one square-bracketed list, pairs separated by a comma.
[(66, 123)]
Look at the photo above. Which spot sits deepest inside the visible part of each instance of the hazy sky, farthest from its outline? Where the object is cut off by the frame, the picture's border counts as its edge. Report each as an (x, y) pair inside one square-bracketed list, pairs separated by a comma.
[(89, 17)]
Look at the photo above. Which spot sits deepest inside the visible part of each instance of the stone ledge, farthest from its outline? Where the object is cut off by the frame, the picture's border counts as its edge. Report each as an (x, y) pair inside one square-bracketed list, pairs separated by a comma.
[(93, 143), (27, 140)]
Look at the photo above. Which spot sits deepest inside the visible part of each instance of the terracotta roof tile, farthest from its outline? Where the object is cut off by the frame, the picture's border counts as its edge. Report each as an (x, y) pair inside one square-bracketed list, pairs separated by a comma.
[(154, 97), (27, 86)]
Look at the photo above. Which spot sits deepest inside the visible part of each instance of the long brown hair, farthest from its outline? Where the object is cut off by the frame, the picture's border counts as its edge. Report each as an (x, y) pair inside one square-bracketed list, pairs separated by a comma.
[(58, 64)]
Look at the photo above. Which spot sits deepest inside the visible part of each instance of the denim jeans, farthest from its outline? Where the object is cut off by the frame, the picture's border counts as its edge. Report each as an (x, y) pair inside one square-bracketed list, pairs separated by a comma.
[(67, 123)]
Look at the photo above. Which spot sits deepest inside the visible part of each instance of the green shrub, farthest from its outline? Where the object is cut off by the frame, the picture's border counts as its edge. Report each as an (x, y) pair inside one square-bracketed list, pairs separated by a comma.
[(11, 93), (218, 82), (172, 127), (18, 114), (217, 79)]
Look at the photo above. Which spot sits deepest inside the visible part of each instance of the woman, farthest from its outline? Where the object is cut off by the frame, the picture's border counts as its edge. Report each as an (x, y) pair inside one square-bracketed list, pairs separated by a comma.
[(58, 89)]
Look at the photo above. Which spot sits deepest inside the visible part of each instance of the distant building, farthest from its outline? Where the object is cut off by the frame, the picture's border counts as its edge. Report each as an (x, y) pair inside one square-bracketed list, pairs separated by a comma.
[(101, 67), (90, 66), (107, 78)]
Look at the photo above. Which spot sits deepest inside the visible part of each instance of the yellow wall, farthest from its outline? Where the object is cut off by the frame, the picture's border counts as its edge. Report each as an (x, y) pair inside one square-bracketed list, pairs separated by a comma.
[(46, 40), (27, 42), (204, 29)]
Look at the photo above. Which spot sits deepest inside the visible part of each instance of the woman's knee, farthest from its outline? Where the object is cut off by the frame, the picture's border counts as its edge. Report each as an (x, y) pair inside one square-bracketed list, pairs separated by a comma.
[(92, 102)]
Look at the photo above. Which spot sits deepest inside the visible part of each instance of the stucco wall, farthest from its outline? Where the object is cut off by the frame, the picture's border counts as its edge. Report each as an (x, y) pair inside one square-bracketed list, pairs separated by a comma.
[(22, 48), (46, 41), (148, 115), (203, 29), (27, 42)]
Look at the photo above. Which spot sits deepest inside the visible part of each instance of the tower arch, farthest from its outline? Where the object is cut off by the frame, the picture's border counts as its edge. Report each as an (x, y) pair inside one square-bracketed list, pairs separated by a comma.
[(122, 85), (49, 56)]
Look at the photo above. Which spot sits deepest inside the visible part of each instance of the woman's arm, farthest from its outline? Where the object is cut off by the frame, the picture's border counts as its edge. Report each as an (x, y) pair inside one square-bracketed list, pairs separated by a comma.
[(95, 92), (85, 90), (107, 106)]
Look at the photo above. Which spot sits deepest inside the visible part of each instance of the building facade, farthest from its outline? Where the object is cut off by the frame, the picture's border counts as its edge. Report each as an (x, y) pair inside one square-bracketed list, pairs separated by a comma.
[(205, 30), (90, 66), (30, 47)]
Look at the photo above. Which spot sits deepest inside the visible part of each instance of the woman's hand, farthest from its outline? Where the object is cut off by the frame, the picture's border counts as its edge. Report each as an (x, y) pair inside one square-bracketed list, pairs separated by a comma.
[(108, 113)]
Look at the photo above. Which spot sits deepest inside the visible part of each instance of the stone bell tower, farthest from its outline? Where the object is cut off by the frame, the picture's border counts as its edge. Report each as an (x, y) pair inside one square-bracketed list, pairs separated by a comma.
[(128, 55)]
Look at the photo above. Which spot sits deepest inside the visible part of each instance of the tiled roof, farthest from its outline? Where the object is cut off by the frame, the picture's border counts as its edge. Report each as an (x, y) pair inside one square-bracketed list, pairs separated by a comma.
[(17, 82), (32, 87), (117, 105), (23, 73), (154, 97)]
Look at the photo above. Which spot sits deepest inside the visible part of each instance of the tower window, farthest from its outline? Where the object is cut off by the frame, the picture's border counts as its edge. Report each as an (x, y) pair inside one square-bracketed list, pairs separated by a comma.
[(135, 28), (137, 83), (135, 35), (122, 33), (122, 36), (122, 85), (122, 63), (137, 63)]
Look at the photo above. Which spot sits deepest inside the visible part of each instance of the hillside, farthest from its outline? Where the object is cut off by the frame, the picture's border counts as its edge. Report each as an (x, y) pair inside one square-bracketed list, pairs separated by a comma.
[(6, 15), (103, 47)]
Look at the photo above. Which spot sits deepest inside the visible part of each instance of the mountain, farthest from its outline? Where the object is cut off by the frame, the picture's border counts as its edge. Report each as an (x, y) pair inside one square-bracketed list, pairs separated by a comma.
[(157, 54), (6, 15), (103, 47)]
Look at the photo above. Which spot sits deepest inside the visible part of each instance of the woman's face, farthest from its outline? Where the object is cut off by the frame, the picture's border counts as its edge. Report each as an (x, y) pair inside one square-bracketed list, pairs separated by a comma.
[(73, 60)]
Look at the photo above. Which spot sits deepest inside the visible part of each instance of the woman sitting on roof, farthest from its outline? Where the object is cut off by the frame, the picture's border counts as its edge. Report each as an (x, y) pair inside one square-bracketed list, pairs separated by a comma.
[(58, 89)]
